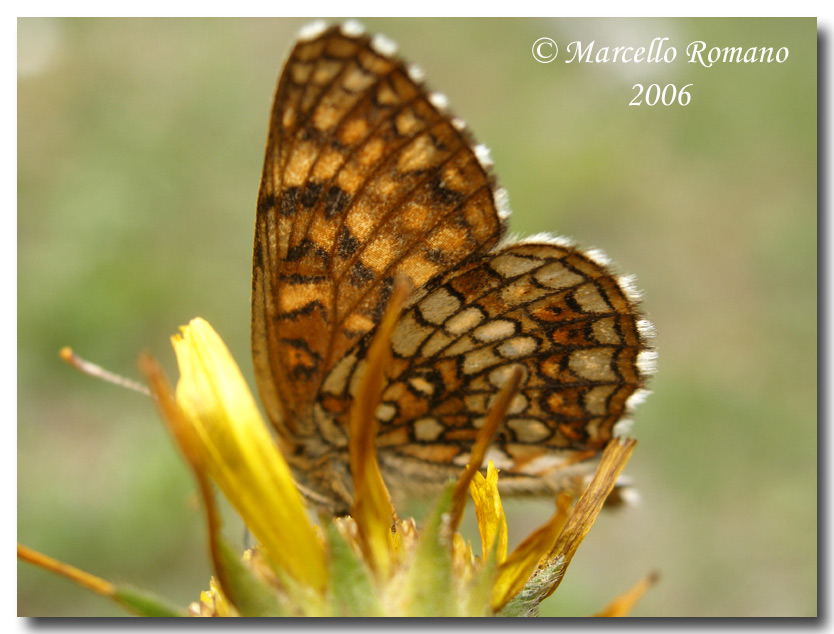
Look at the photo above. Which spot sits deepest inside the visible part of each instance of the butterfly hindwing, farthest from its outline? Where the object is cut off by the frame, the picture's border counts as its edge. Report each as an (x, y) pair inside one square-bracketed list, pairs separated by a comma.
[(547, 307)]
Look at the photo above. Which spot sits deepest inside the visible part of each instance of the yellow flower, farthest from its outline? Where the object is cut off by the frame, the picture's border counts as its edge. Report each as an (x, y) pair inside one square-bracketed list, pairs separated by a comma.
[(370, 563)]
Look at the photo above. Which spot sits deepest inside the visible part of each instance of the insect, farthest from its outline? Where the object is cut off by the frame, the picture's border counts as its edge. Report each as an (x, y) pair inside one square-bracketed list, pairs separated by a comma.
[(366, 177)]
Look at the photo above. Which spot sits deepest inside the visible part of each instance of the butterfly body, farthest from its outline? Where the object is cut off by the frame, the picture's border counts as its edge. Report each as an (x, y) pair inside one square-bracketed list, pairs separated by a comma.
[(367, 178)]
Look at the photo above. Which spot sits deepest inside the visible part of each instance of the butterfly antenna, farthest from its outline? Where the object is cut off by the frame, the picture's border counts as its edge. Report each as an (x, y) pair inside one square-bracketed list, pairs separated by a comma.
[(91, 369)]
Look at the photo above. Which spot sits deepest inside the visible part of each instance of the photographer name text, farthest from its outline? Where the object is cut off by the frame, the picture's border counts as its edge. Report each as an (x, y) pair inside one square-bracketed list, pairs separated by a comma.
[(697, 52), (659, 51)]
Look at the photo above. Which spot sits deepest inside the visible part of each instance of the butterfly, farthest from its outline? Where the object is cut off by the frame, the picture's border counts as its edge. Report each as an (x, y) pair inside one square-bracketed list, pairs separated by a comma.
[(367, 177)]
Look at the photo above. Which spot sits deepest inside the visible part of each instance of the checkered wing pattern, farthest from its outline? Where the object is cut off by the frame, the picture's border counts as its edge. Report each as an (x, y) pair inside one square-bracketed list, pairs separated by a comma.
[(367, 177), (550, 308)]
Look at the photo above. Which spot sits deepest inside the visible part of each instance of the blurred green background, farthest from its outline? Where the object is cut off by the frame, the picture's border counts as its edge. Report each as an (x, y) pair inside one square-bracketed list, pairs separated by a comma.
[(140, 145)]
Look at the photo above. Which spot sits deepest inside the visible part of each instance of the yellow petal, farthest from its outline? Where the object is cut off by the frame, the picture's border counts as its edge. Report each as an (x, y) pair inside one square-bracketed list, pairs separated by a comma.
[(624, 604), (523, 561), (240, 455), (463, 561), (214, 602), (81, 577), (492, 523), (483, 439)]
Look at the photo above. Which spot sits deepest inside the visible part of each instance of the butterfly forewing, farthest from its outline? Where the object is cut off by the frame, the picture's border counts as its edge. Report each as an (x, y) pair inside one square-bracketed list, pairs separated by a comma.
[(363, 178), (366, 178)]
